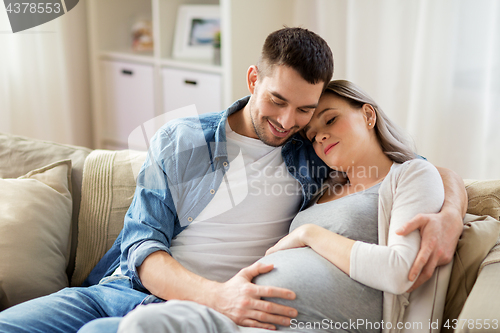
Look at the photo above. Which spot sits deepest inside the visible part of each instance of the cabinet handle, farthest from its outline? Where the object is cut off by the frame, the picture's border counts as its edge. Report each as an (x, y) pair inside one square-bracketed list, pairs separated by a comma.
[(127, 72), (190, 82)]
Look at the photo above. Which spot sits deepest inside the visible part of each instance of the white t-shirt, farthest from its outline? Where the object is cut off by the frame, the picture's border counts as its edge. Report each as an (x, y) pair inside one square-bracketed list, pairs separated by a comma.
[(250, 212)]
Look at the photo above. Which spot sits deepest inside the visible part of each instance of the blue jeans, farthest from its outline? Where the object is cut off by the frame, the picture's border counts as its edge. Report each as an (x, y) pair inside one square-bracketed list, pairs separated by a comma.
[(71, 308)]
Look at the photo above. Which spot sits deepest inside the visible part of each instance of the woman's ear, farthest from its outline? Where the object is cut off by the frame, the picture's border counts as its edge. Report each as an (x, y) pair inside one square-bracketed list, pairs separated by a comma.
[(252, 77), (370, 115)]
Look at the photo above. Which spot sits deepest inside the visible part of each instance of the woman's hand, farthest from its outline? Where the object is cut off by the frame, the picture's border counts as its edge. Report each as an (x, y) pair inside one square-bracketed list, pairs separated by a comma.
[(293, 240), (333, 247)]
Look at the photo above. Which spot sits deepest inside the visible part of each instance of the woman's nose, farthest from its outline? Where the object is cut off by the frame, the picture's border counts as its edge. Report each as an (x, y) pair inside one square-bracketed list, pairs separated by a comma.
[(320, 137)]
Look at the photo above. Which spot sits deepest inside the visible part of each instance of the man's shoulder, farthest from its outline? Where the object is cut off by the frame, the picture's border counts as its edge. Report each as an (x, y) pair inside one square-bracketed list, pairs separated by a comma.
[(300, 149), (197, 122), (183, 138)]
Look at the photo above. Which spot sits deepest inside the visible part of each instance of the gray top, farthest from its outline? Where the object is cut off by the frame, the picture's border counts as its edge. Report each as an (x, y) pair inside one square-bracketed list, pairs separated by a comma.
[(325, 294)]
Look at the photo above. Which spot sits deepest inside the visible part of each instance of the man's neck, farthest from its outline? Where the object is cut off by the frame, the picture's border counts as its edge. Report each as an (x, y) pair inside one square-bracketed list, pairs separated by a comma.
[(241, 123)]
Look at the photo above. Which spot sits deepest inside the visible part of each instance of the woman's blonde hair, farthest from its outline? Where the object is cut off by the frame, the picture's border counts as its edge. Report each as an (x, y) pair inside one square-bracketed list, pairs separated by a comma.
[(392, 140)]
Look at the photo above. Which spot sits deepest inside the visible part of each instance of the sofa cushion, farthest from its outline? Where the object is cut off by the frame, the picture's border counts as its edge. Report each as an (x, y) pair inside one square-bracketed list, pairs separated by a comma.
[(107, 192), (19, 155), (479, 236), (483, 304), (35, 222), (484, 197)]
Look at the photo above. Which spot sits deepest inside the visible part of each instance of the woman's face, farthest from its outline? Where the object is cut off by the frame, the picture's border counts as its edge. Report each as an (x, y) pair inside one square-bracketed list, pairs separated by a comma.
[(339, 132)]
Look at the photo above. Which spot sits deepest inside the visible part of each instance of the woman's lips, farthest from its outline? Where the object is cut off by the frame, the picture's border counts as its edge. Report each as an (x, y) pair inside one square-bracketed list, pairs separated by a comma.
[(278, 131), (329, 147)]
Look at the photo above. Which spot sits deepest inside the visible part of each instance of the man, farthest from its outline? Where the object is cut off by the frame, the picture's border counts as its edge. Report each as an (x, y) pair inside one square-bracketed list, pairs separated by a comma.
[(201, 212)]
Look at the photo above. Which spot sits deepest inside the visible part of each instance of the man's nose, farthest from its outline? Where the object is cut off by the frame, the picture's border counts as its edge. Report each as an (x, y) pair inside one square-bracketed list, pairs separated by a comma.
[(287, 118)]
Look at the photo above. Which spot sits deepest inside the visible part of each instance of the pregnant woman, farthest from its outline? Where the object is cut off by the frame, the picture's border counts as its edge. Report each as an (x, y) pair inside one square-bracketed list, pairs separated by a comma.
[(343, 252), (343, 258)]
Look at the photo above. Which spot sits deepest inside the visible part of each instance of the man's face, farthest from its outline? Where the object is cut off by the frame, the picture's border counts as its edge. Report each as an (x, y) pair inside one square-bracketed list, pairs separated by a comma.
[(282, 103)]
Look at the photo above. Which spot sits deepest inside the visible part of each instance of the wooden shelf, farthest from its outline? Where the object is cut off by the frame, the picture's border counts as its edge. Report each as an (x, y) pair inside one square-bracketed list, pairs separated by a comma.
[(194, 65), (148, 58), (141, 57)]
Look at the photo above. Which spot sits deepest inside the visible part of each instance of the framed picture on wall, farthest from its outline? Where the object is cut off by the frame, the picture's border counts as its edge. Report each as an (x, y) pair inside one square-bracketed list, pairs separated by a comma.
[(197, 28)]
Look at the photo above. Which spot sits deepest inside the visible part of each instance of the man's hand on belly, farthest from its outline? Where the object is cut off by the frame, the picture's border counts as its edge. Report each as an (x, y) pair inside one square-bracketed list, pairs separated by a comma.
[(240, 300)]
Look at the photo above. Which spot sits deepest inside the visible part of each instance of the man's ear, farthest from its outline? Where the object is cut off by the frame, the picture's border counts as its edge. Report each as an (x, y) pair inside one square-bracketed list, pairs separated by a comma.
[(252, 77), (370, 115)]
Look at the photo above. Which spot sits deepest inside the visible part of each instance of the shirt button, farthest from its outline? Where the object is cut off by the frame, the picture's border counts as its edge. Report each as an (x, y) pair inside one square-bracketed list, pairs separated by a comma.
[(294, 142), (225, 164), (190, 219), (212, 191)]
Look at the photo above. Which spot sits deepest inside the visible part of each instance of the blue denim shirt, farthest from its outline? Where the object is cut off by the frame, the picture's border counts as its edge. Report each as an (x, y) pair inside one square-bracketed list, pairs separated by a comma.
[(186, 163)]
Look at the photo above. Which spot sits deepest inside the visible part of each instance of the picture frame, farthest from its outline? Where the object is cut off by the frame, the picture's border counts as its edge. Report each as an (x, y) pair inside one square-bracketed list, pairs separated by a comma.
[(196, 28)]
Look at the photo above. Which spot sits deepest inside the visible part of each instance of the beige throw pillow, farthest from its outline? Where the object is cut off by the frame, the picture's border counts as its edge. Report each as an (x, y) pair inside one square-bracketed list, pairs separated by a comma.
[(479, 236), (35, 219), (484, 197)]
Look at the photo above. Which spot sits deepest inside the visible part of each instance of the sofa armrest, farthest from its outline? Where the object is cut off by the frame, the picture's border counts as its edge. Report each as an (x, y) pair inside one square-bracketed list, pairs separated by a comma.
[(483, 304)]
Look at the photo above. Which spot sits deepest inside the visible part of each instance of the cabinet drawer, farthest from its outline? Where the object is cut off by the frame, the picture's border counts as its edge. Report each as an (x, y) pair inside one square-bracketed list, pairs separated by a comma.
[(182, 88), (128, 99)]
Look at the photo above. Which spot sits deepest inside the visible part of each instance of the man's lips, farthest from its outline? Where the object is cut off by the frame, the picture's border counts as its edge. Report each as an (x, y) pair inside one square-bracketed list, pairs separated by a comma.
[(278, 131), (329, 147)]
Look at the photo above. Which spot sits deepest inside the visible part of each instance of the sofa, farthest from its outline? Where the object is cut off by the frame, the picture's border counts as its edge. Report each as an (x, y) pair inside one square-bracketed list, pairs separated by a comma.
[(62, 207)]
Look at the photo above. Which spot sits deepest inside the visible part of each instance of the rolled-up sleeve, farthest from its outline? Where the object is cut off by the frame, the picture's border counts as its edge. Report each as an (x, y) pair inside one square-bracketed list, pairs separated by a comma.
[(138, 252)]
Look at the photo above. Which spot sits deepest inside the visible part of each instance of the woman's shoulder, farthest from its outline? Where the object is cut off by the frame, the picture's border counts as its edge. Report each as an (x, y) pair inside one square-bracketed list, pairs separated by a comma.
[(414, 165), (415, 170), (417, 179)]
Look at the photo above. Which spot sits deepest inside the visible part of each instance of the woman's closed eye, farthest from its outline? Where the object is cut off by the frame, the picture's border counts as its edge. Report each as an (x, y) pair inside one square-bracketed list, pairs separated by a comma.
[(331, 120)]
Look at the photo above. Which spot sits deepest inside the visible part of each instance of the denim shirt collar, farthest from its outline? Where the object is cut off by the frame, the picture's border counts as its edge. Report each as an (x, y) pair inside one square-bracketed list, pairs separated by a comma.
[(215, 129)]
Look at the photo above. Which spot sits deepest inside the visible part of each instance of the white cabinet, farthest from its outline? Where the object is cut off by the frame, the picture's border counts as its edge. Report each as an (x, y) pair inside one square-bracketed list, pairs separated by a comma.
[(128, 100), (161, 83), (184, 87)]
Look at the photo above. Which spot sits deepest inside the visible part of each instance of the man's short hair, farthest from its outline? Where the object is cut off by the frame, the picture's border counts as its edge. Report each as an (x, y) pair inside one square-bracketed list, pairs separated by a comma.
[(300, 49)]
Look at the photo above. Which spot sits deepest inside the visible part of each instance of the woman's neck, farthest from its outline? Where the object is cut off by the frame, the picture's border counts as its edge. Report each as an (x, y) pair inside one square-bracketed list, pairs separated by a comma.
[(370, 171)]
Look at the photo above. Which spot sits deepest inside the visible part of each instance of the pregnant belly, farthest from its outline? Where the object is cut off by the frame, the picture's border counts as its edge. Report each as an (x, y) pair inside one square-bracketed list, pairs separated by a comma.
[(325, 294)]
